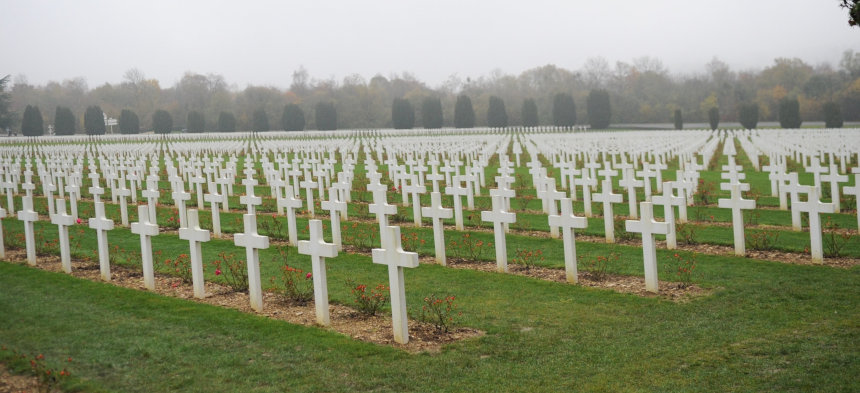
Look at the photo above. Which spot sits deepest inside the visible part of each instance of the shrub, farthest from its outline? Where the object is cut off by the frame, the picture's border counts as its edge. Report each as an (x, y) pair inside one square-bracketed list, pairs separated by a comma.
[(431, 112), (196, 122), (440, 312), (293, 118), (226, 122), (402, 114), (563, 110), (234, 271), (714, 117), (789, 113), (527, 258), (600, 266), (368, 302), (683, 268), (162, 122), (529, 113), (832, 115), (599, 109), (748, 115), (464, 114), (497, 116)]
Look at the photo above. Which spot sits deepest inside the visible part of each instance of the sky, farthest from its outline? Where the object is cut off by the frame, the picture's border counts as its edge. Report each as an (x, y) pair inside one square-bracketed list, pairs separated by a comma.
[(255, 42)]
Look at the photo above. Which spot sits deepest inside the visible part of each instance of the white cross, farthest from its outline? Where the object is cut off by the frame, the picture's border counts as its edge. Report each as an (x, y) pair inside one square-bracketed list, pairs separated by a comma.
[(195, 237), (815, 207), (2, 242), (736, 203), (151, 194), (102, 224), (457, 191), (794, 190), (630, 183), (122, 193), (319, 250), (834, 178), (551, 196), (392, 254), (334, 206), (249, 198), (179, 197), (29, 216), (253, 243), (146, 229), (309, 184), (648, 227), (669, 201), (381, 208), (415, 189), (291, 204), (63, 221), (437, 213), (855, 190), (214, 198), (606, 197), (498, 216), (586, 182), (567, 221)]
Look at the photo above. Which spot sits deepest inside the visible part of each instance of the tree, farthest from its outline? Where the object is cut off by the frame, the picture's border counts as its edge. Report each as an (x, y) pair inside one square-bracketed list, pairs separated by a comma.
[(714, 117), (497, 116), (529, 113), (748, 115), (563, 110), (94, 120), (402, 114), (226, 122), (129, 123), (832, 115), (325, 115), (32, 124), (260, 121), (5, 103), (853, 7), (196, 122), (789, 113), (64, 121), (293, 118), (678, 119), (599, 109), (431, 113), (464, 114), (162, 122)]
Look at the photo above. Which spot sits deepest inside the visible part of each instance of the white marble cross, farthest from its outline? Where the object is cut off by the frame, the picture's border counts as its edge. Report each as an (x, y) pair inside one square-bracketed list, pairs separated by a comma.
[(415, 189), (552, 197), (122, 193), (815, 207), (214, 199), (794, 190), (736, 203), (334, 207), (457, 192), (2, 242), (102, 224), (669, 201), (146, 229), (381, 209), (179, 197), (63, 221), (834, 178), (498, 216), (855, 191), (648, 227), (151, 193), (319, 250), (587, 183), (291, 204), (309, 184), (195, 236), (630, 183), (392, 254), (253, 243), (568, 221), (437, 213), (249, 199), (29, 216), (606, 197)]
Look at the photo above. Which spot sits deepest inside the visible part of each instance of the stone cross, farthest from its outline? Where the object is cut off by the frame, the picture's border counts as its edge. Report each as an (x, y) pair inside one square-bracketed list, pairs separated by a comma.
[(63, 221), (648, 227), (290, 203), (309, 184), (552, 196), (74, 193), (669, 201), (2, 243), (381, 209), (631, 183), (179, 197), (334, 207), (214, 198), (815, 207), (151, 193), (319, 250), (586, 182), (736, 203), (680, 186), (253, 243), (457, 191), (249, 199), (855, 191), (102, 224), (392, 254), (29, 216), (606, 197), (195, 236), (568, 221), (834, 178), (437, 213), (415, 189), (122, 193), (96, 190), (498, 216), (146, 229), (794, 190)]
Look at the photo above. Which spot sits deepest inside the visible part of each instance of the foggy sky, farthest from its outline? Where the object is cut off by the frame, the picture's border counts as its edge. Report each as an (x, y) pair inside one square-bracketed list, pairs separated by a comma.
[(263, 42)]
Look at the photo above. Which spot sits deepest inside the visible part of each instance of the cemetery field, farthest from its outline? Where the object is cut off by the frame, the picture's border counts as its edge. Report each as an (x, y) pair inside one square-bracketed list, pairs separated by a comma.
[(771, 316)]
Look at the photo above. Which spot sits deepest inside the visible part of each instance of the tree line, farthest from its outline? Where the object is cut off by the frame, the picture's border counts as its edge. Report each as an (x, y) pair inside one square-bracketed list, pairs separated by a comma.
[(642, 91)]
